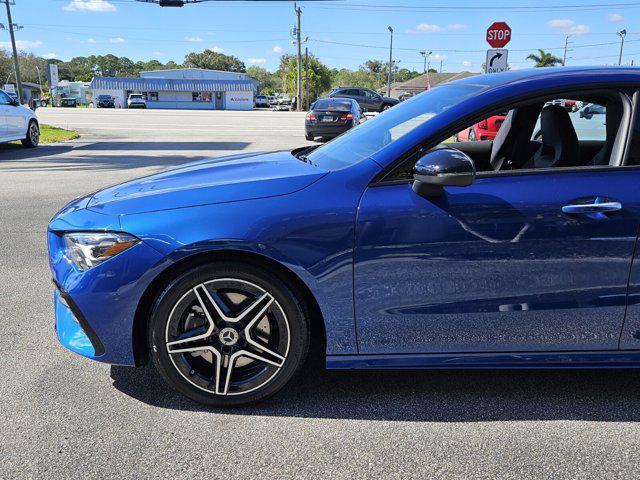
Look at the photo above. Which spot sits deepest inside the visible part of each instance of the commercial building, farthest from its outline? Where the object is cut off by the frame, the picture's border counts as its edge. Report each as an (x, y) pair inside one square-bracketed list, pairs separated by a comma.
[(185, 88), (77, 90)]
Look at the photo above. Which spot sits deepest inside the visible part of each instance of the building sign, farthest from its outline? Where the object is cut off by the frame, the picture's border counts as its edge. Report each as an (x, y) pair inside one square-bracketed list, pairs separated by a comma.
[(52, 74), (238, 100), (9, 88)]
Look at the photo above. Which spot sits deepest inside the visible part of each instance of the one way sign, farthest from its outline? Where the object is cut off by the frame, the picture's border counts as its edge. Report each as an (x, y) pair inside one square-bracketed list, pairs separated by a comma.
[(496, 60)]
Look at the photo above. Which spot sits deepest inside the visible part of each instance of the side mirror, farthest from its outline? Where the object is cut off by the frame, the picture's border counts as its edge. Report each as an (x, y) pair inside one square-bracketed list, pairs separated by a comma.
[(444, 167), (15, 102)]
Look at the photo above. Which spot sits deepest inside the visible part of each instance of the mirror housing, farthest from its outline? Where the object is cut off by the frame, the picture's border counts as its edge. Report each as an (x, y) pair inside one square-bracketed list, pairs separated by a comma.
[(443, 167)]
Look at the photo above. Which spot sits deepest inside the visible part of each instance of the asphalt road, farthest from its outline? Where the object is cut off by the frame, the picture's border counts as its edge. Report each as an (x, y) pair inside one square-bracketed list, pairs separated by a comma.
[(62, 416)]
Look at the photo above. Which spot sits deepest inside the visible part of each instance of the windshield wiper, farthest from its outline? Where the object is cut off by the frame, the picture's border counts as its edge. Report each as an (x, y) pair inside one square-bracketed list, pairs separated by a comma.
[(305, 159)]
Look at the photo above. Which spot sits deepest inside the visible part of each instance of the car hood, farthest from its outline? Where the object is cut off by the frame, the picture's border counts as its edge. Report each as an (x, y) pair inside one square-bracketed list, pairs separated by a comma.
[(391, 99), (215, 180)]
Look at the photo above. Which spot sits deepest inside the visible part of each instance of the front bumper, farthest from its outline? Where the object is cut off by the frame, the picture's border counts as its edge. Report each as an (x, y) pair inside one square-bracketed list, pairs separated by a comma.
[(95, 309)]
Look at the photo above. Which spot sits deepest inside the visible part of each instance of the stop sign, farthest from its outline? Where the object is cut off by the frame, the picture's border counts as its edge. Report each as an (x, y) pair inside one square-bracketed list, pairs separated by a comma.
[(498, 34)]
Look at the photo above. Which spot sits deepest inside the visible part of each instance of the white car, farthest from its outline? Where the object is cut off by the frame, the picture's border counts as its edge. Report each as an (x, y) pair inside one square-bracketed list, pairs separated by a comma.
[(136, 100), (262, 101), (17, 122)]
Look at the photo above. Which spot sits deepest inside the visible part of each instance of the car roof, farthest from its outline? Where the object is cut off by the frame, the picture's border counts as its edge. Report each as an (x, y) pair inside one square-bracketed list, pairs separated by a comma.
[(553, 74)]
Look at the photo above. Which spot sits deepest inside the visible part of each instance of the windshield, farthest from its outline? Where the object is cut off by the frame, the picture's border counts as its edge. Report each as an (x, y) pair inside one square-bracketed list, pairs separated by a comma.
[(135, 96), (369, 137), (325, 104)]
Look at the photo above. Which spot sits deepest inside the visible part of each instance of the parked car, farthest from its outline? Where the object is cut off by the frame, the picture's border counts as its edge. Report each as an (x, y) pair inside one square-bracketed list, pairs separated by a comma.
[(261, 101), (589, 110), (384, 246), (67, 102), (486, 129), (369, 100), (570, 105), (272, 100), (136, 100), (105, 101), (17, 122), (329, 117)]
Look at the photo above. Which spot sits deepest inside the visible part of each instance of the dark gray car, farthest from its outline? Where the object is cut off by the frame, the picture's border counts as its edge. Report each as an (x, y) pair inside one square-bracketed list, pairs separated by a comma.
[(368, 99)]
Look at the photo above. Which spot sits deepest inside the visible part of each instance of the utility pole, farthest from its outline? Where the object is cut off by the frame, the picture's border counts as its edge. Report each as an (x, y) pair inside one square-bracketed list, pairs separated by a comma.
[(566, 44), (306, 78), (298, 11), (425, 54), (16, 65), (390, 62), (622, 33), (441, 65)]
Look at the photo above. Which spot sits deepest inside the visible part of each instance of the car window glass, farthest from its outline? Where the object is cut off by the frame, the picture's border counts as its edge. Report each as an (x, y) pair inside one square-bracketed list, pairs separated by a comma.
[(324, 104), (588, 119), (4, 99), (376, 133)]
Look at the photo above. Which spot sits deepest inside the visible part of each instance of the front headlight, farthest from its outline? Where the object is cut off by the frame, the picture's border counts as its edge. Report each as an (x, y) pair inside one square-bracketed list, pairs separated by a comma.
[(86, 250)]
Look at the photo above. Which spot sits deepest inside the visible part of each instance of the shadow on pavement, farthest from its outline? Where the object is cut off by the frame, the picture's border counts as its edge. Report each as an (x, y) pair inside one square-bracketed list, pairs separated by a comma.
[(93, 156), (425, 396)]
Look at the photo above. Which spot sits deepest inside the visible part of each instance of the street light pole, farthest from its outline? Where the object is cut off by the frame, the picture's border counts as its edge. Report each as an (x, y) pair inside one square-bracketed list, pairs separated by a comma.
[(566, 44), (622, 33), (16, 64), (426, 55), (306, 77), (390, 62)]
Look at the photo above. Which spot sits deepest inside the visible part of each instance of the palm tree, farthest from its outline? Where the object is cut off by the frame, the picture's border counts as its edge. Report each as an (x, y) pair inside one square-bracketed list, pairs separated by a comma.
[(545, 59)]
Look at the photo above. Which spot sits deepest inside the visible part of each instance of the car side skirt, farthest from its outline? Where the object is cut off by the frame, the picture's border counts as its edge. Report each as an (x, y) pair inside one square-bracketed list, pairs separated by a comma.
[(506, 360)]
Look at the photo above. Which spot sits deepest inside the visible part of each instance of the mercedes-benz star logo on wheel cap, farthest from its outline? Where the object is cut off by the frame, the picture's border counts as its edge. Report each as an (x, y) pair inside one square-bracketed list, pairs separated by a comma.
[(228, 336)]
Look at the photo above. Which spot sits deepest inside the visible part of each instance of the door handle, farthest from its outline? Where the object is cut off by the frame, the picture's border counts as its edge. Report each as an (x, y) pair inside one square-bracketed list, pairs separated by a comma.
[(596, 207)]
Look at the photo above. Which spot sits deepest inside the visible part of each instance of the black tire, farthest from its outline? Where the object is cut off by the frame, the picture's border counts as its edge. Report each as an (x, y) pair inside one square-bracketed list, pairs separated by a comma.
[(298, 333), (385, 106), (32, 139), (309, 136)]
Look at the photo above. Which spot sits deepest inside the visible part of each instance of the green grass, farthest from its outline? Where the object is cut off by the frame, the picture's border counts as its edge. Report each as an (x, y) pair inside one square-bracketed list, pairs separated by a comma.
[(51, 134)]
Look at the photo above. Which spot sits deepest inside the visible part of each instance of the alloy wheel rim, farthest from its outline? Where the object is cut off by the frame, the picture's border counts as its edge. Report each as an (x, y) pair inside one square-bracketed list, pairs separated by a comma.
[(227, 336), (34, 133)]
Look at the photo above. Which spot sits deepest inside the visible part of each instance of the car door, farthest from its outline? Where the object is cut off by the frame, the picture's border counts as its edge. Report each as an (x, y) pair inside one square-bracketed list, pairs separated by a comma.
[(15, 121), (5, 105), (515, 262)]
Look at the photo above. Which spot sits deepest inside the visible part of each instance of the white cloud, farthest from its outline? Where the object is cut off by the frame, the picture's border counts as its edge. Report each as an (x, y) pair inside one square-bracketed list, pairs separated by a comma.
[(193, 39), (615, 17), (430, 27), (425, 28), (116, 40), (256, 60), (91, 40), (568, 27), (218, 49), (50, 55), (277, 49), (437, 57), (22, 44), (466, 63), (89, 6)]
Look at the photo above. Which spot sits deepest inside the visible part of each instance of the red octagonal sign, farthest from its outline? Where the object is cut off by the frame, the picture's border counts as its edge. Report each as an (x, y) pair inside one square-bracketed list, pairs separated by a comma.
[(498, 34)]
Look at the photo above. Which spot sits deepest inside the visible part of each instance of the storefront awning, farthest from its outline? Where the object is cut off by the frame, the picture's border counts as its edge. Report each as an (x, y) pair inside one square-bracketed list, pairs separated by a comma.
[(172, 85)]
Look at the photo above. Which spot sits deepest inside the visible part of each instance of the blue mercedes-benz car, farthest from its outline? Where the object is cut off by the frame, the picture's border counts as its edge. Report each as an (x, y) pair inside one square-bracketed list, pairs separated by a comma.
[(392, 246)]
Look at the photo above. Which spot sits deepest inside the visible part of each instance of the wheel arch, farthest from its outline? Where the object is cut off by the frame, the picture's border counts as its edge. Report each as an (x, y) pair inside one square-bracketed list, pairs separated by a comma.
[(284, 273)]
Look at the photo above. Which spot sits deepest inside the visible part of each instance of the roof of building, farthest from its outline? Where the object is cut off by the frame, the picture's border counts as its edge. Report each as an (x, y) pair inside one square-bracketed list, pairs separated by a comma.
[(173, 84), (188, 69), (424, 82)]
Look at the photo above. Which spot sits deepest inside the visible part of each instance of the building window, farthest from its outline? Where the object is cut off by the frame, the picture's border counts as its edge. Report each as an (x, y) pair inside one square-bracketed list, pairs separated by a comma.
[(152, 96), (201, 96)]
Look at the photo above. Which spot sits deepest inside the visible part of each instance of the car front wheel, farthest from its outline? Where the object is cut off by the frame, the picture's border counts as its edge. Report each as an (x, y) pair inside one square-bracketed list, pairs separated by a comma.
[(386, 106), (33, 135), (228, 334)]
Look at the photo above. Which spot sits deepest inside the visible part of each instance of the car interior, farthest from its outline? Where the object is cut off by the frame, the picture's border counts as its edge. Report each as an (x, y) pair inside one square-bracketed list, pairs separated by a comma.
[(545, 134)]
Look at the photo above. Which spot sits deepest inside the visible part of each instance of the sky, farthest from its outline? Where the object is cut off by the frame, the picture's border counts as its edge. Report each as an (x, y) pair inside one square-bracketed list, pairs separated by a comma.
[(342, 33)]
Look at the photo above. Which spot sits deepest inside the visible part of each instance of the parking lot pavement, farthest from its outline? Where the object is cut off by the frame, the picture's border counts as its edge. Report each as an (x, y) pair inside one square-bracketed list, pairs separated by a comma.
[(63, 416)]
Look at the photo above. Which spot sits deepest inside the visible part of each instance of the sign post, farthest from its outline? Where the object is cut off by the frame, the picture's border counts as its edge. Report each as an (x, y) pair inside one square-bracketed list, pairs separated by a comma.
[(498, 35)]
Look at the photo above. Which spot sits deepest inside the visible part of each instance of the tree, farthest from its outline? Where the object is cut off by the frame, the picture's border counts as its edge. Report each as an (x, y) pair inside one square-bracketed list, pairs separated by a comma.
[(544, 59), (214, 61), (268, 82), (319, 75)]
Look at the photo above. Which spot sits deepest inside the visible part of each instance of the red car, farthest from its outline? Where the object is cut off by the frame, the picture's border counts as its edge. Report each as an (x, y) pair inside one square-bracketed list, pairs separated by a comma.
[(487, 129)]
